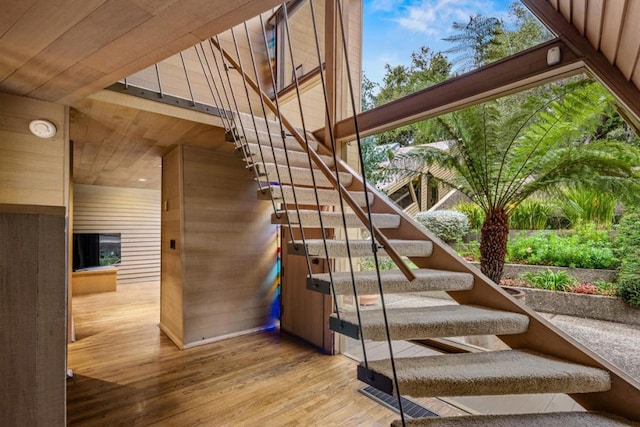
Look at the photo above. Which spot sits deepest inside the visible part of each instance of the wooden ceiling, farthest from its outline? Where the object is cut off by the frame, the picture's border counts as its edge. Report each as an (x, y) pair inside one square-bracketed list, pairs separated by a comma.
[(65, 50), (122, 146), (611, 27)]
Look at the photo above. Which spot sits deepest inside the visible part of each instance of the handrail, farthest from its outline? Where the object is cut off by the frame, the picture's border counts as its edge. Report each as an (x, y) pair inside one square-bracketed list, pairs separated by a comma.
[(362, 216)]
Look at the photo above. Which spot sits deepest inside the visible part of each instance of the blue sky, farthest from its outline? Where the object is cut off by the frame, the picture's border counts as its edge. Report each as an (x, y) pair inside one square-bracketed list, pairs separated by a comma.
[(395, 28)]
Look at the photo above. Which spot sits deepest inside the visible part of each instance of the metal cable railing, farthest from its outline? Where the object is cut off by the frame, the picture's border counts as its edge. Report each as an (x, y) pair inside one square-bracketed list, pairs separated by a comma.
[(238, 67), (236, 125), (365, 217), (374, 246)]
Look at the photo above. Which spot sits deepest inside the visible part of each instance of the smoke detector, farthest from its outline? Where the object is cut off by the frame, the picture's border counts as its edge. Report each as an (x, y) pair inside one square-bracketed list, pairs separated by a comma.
[(42, 128)]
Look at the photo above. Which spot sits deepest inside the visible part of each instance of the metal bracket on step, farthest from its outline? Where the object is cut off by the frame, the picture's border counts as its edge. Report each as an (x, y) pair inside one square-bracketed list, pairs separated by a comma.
[(378, 381), (319, 286), (231, 135), (344, 328)]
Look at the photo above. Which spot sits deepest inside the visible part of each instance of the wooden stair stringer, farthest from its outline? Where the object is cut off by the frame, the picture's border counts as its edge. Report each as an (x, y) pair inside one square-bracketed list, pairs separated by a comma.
[(541, 336)]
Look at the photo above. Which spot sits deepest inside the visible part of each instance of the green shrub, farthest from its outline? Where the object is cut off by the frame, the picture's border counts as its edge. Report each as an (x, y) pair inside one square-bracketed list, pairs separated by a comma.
[(586, 205), (449, 226), (474, 214), (628, 248), (550, 280), (531, 214), (584, 248)]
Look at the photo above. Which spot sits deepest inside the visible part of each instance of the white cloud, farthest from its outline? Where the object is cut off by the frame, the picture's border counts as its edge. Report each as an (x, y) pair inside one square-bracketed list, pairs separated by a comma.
[(435, 17)]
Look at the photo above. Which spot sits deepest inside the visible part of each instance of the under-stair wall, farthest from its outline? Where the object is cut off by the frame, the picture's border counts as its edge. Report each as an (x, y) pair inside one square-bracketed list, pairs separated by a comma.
[(218, 247)]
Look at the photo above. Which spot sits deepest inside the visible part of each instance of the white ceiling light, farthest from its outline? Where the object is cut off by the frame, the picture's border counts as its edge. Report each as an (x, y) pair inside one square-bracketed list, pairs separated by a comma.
[(42, 128)]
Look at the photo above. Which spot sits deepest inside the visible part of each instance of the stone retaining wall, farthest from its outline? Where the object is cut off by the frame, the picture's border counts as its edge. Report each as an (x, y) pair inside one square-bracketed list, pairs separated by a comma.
[(580, 305)]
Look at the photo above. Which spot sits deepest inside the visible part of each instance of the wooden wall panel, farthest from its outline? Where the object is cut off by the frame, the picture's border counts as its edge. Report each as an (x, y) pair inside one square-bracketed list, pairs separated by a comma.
[(611, 27), (229, 250), (32, 169), (132, 212), (172, 283), (32, 315)]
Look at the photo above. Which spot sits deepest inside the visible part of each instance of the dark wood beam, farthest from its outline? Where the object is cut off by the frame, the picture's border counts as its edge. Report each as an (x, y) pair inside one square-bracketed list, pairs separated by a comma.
[(609, 75), (513, 74)]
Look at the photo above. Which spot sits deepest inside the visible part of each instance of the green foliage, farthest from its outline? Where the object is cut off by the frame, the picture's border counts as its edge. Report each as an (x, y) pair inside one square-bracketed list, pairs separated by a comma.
[(474, 40), (469, 250), (582, 205), (550, 280), (109, 260), (531, 214), (450, 226), (474, 214), (628, 248), (373, 155), (585, 248), (606, 288), (368, 264)]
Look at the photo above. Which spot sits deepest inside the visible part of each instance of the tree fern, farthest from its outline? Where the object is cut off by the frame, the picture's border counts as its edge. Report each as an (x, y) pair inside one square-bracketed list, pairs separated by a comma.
[(503, 156)]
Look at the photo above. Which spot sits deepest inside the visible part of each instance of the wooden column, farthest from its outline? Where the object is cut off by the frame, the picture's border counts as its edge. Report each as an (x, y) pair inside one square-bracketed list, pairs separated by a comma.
[(32, 315)]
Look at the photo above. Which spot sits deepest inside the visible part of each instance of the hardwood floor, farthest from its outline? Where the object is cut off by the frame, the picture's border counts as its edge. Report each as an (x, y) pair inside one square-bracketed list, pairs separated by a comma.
[(126, 372)]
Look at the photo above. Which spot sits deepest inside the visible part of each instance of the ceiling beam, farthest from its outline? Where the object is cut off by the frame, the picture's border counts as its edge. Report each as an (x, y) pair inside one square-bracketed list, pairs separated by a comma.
[(609, 75), (513, 74)]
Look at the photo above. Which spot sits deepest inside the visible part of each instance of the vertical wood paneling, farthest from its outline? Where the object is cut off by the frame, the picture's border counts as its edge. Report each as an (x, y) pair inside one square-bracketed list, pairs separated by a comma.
[(629, 45), (229, 248), (595, 13), (172, 283), (32, 315), (132, 212), (611, 28), (32, 169)]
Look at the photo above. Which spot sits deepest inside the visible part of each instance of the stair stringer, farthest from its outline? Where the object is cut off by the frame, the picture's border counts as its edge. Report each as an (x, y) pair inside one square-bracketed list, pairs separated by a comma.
[(541, 336)]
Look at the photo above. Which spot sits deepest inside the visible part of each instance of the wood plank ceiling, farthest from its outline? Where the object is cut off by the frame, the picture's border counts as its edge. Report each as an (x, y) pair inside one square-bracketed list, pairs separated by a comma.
[(65, 50), (611, 27), (119, 146)]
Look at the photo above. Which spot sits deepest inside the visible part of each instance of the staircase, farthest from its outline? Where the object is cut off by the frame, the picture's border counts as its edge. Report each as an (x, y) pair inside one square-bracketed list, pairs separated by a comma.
[(541, 359), (311, 189)]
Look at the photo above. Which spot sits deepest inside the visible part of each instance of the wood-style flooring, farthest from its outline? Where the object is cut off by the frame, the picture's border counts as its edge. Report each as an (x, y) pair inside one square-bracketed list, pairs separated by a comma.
[(126, 372)]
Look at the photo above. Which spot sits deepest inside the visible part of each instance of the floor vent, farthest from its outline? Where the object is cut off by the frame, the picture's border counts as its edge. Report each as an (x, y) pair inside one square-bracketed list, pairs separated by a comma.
[(411, 409)]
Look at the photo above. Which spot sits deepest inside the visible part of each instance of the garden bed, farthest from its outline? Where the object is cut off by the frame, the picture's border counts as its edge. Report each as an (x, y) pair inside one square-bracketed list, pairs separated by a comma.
[(582, 275), (598, 307)]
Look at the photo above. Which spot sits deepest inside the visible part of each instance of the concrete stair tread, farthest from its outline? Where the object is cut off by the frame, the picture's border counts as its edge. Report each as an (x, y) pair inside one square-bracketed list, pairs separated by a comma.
[(310, 218), (393, 281), (299, 175), (485, 373), (296, 158), (550, 419), (359, 248), (416, 323)]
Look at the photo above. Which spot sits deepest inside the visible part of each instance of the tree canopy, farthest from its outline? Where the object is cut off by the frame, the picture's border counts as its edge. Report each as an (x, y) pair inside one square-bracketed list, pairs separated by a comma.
[(557, 136)]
